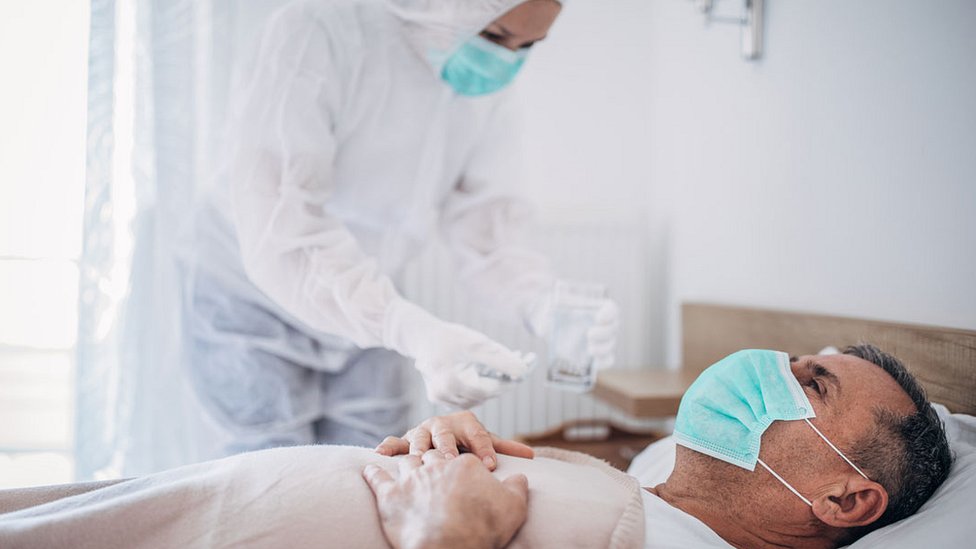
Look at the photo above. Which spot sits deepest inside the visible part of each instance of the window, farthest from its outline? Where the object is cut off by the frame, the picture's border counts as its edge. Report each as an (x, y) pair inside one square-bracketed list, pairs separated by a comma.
[(43, 49)]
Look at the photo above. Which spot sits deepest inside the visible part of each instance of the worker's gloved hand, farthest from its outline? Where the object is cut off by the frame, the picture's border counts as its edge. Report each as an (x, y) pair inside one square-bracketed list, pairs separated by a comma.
[(445, 352), (601, 336), (601, 339)]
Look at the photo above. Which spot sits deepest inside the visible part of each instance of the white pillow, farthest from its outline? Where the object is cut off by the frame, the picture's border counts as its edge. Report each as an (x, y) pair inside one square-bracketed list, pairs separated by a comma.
[(654, 464), (946, 520)]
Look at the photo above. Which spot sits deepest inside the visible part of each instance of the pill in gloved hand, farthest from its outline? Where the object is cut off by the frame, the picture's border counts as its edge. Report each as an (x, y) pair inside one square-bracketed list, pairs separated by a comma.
[(484, 370)]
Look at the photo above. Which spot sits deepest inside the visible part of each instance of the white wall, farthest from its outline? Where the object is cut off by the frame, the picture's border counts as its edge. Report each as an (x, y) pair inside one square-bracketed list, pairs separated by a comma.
[(585, 90), (586, 138), (836, 175)]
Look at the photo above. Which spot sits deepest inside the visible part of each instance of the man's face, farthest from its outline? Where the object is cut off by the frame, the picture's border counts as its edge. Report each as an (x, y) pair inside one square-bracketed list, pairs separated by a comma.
[(844, 391)]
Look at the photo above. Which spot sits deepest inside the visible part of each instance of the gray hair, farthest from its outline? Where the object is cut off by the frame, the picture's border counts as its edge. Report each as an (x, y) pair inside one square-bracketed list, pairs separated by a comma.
[(908, 455)]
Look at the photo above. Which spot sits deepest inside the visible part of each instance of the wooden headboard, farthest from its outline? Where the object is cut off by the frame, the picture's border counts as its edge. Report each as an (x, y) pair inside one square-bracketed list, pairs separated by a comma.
[(943, 359)]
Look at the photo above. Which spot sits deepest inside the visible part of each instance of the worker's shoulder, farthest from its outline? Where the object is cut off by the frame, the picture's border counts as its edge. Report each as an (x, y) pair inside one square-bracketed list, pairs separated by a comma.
[(349, 15), (348, 22)]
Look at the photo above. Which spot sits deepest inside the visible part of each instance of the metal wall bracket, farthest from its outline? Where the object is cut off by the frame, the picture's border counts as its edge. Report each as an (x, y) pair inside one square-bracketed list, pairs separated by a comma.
[(751, 22)]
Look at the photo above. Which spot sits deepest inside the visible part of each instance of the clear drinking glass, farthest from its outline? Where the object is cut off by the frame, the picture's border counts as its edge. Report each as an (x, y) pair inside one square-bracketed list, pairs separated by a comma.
[(574, 309)]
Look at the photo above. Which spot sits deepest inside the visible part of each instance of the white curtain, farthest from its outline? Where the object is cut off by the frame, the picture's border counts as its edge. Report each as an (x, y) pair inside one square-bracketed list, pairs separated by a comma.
[(159, 76)]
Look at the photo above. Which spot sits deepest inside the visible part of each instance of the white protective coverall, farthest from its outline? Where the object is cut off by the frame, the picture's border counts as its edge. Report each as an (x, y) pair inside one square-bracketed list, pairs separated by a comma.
[(348, 152)]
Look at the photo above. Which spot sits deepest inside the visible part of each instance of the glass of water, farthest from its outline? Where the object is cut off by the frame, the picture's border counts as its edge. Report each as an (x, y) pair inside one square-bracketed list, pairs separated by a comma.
[(574, 308)]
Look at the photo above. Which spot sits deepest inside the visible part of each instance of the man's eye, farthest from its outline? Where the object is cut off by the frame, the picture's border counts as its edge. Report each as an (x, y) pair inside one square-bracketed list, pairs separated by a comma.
[(815, 383), (491, 36)]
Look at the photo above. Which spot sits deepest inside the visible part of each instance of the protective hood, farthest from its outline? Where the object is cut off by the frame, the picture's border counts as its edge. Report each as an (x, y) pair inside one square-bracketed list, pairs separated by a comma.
[(436, 28)]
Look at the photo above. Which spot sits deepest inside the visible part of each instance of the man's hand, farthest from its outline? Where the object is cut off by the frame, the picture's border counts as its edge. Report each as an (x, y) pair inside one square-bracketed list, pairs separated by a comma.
[(450, 434), (447, 503)]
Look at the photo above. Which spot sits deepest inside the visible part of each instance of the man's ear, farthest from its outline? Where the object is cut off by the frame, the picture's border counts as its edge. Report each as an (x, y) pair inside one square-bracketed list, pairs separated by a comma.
[(857, 502)]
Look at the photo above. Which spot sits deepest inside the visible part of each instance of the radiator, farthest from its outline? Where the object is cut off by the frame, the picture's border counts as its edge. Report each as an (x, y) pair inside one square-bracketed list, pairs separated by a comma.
[(613, 255)]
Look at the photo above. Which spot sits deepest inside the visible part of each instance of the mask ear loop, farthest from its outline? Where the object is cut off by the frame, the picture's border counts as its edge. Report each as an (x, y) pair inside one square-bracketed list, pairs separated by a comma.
[(787, 484), (839, 453)]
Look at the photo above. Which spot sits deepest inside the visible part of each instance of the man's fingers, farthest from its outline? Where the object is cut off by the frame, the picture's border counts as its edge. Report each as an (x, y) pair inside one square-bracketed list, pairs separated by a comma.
[(444, 441), (393, 446), (377, 478), (479, 443), (433, 456), (512, 448), (419, 440), (408, 463), (518, 485)]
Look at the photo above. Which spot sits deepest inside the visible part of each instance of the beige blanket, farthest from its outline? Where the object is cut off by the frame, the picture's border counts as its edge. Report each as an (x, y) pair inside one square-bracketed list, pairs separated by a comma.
[(314, 496)]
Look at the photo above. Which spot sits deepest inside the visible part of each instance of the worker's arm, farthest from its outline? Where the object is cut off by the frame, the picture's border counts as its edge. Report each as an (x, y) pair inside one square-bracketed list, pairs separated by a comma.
[(486, 221), (281, 166), (15, 499)]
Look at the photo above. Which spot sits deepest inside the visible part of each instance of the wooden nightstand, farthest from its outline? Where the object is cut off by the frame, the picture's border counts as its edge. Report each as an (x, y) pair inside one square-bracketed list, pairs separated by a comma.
[(643, 393)]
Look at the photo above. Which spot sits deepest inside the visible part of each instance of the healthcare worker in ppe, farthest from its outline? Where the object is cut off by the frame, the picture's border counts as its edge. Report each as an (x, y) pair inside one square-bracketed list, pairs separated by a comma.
[(364, 126)]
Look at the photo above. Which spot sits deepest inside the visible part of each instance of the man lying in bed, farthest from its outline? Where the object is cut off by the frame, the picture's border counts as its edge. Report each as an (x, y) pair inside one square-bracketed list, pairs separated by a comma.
[(875, 452), (804, 493)]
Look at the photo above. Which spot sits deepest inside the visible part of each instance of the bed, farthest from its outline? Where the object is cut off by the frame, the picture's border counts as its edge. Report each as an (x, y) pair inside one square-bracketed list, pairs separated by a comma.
[(207, 505)]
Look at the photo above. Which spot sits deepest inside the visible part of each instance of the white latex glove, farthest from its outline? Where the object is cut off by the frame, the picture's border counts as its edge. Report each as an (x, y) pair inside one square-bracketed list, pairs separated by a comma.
[(444, 353), (601, 338)]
